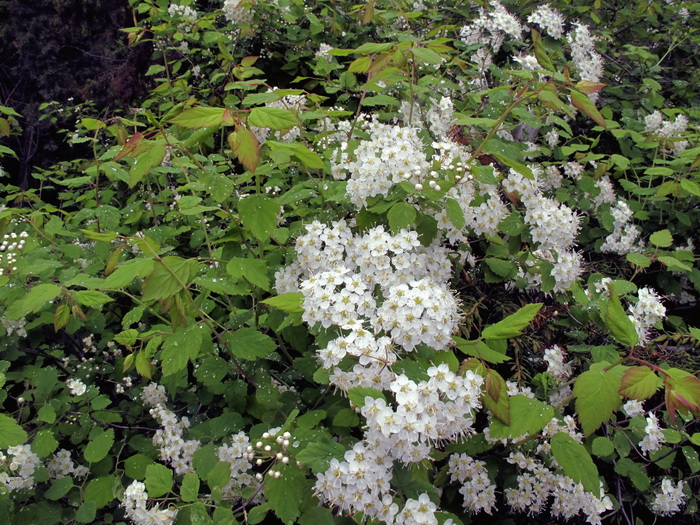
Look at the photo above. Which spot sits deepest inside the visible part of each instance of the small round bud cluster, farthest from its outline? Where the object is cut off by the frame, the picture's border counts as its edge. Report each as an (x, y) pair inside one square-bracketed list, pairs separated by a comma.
[(12, 243), (272, 449)]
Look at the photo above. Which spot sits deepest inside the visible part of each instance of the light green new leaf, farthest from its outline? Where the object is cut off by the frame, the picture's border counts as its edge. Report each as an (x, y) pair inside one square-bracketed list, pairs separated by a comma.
[(145, 163), (274, 118), (455, 213), (11, 433), (480, 350), (200, 117), (127, 271), (513, 325), (100, 444), (527, 416), (288, 303), (582, 102), (259, 215), (249, 344), (661, 238), (38, 297), (159, 480), (597, 396), (426, 56), (576, 462), (617, 321), (91, 298)]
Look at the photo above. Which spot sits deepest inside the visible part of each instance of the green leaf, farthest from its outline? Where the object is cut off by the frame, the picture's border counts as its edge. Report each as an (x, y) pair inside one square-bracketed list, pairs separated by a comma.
[(691, 187), (37, 298), (145, 163), (100, 490), (639, 382), (540, 53), (602, 446), (159, 480), (308, 158), (691, 456), (504, 269), (527, 416), (662, 239), (480, 350), (426, 56), (47, 414), (574, 459), (635, 472), (86, 512), (179, 348), (496, 396), (638, 260), (513, 325), (285, 494), (125, 274), (219, 475), (674, 264), (91, 298), (274, 118), (200, 117), (317, 516), (189, 490), (582, 102), (454, 213), (289, 303), (401, 216), (135, 466), (250, 344), (617, 321), (211, 370), (44, 443), (259, 214), (253, 270), (99, 446), (11, 433), (596, 396), (59, 488), (170, 275), (522, 169), (371, 47), (318, 454), (358, 394)]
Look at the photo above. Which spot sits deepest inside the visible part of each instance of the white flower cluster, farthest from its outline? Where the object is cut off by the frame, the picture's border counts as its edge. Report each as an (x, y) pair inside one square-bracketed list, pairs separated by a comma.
[(76, 387), (646, 312), (538, 483), (625, 236), (633, 407), (154, 394), (561, 371), (668, 131), (19, 466), (587, 61), (478, 491), (322, 51), (61, 465), (292, 102), (14, 327), (10, 246), (169, 439), (439, 409), (238, 11), (420, 511), (440, 118), (392, 155), (239, 454), (654, 437), (548, 19), (134, 503), (183, 11), (491, 27), (670, 499)]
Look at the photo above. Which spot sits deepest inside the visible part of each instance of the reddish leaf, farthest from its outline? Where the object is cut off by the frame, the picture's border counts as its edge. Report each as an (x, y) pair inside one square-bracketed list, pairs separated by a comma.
[(131, 144), (639, 382), (496, 396), (589, 87), (246, 147), (583, 103)]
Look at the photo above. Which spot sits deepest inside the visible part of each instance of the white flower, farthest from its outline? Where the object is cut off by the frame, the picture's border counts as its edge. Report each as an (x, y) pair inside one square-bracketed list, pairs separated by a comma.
[(77, 387)]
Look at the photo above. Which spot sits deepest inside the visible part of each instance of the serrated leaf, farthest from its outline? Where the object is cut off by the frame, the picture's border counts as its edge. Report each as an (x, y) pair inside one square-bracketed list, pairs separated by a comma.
[(358, 394), (189, 490), (634, 471), (602, 446), (92, 298), (691, 187), (47, 414), (250, 344), (61, 316), (100, 490), (574, 459), (318, 454), (540, 53), (639, 382), (44, 443), (426, 56), (274, 118), (638, 260), (253, 270), (99, 446), (126, 272), (617, 321), (597, 397), (180, 348), (504, 269), (496, 396), (285, 494), (372, 47), (289, 302), (527, 417), (513, 325), (259, 214), (11, 433), (245, 146), (583, 103), (38, 297), (401, 216), (145, 163), (59, 488), (454, 213), (169, 276), (200, 117), (86, 512), (662, 239), (480, 350), (674, 264), (159, 480), (135, 466)]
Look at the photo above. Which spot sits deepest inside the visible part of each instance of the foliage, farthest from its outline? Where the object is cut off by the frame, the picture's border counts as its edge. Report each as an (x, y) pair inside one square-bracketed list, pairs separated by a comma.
[(374, 262)]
